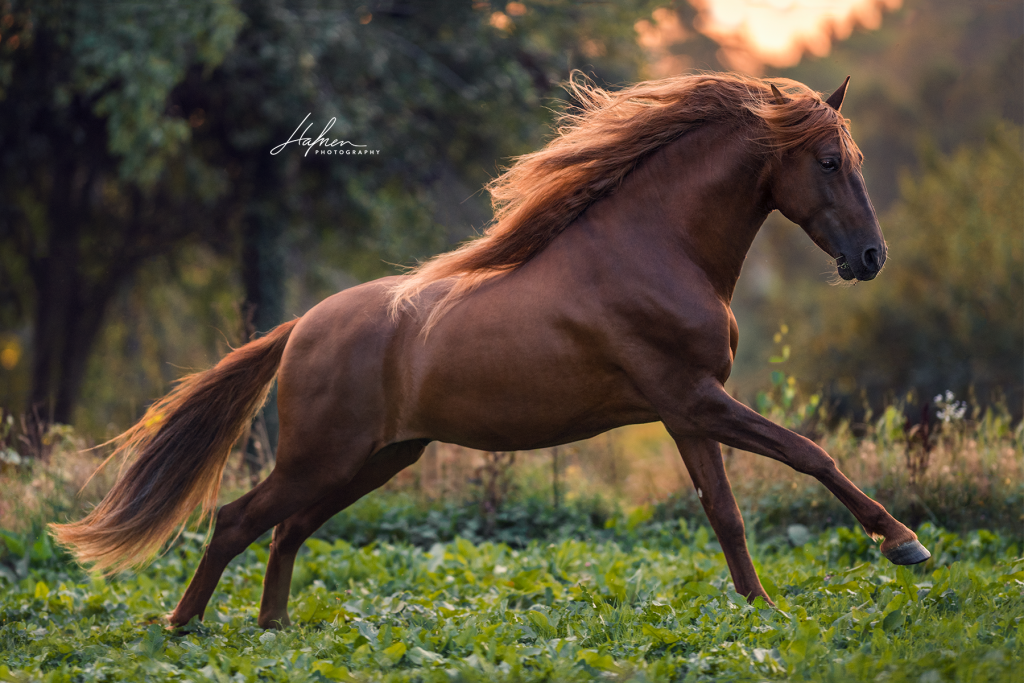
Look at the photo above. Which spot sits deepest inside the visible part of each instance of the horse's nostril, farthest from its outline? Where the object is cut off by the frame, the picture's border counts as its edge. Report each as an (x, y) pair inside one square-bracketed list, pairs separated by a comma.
[(871, 260)]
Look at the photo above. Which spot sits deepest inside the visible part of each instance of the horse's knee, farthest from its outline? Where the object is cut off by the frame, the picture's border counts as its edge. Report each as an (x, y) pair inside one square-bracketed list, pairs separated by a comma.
[(817, 463)]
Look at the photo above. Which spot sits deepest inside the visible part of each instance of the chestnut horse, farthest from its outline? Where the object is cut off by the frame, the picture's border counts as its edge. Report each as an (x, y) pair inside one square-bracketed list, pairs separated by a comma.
[(599, 297)]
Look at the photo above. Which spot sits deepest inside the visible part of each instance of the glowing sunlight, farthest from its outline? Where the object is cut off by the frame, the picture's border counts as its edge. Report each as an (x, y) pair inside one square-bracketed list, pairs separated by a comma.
[(754, 33)]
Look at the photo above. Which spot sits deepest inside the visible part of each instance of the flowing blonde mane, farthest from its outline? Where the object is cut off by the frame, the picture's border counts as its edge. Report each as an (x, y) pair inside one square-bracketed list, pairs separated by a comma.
[(597, 146)]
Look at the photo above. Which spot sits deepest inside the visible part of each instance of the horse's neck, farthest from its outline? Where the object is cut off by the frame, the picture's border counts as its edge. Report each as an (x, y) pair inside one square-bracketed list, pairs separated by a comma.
[(700, 199)]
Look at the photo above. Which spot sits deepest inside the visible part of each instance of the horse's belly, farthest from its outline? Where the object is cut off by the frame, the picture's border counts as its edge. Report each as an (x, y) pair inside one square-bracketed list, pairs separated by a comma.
[(517, 396)]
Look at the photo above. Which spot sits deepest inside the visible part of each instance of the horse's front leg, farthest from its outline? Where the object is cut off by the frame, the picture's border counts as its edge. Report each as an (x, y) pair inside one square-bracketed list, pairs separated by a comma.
[(703, 459), (711, 413)]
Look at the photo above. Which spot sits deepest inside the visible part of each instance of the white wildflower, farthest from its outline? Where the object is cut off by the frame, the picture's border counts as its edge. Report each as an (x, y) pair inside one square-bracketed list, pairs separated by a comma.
[(949, 409)]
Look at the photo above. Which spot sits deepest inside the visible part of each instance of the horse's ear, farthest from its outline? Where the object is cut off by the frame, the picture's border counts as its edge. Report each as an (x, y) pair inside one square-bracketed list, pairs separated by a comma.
[(779, 97), (835, 100)]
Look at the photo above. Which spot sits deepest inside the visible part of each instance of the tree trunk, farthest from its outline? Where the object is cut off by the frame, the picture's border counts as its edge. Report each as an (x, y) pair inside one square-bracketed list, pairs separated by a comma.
[(263, 277), (56, 281), (71, 300), (85, 322)]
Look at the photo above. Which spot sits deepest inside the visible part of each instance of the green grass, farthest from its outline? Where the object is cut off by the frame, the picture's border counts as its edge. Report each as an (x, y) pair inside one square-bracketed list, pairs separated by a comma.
[(564, 611)]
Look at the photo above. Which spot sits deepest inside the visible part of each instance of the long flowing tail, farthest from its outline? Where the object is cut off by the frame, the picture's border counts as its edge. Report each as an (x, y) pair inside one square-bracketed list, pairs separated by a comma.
[(175, 456)]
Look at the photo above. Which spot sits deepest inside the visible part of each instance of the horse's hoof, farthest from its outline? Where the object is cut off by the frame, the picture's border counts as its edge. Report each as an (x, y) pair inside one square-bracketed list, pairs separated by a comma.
[(911, 552), (269, 624)]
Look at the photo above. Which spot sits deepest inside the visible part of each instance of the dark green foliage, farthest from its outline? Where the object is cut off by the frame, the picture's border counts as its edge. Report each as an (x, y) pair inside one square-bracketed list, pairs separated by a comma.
[(397, 590), (399, 519), (396, 518), (566, 611), (97, 175)]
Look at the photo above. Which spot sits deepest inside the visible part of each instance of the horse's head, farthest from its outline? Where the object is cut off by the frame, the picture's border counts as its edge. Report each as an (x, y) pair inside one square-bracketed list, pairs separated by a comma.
[(821, 189)]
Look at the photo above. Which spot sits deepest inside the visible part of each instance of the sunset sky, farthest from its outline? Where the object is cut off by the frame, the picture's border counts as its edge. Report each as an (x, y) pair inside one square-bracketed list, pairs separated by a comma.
[(777, 31)]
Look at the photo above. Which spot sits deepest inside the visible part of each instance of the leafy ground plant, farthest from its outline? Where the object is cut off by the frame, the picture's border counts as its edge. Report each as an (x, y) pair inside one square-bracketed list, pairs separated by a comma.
[(566, 611)]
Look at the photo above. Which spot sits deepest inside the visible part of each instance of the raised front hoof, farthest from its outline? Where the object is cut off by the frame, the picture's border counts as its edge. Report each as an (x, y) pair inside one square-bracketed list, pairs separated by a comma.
[(911, 552)]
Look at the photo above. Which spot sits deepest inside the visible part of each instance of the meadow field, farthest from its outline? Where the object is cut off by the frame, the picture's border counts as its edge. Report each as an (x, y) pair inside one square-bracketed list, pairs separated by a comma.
[(567, 610), (581, 564)]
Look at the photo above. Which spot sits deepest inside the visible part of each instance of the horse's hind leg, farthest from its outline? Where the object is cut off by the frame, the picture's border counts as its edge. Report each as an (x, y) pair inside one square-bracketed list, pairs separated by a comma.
[(293, 531), (237, 525), (703, 458), (297, 479)]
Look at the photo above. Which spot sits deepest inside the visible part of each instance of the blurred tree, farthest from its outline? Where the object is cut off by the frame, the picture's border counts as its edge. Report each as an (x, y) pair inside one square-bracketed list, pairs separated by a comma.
[(94, 178), (442, 90)]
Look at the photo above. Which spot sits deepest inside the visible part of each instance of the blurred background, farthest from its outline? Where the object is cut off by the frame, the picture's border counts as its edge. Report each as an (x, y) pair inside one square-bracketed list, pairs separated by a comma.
[(145, 228)]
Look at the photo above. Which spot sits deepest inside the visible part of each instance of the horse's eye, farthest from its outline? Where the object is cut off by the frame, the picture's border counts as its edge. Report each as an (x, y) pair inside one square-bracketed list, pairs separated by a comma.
[(828, 164)]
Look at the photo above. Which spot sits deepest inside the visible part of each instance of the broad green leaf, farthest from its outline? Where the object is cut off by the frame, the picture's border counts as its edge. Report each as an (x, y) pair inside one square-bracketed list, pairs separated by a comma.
[(14, 544), (638, 516), (395, 652), (420, 656), (331, 671), (601, 662), (662, 635), (905, 578), (700, 588), (893, 620)]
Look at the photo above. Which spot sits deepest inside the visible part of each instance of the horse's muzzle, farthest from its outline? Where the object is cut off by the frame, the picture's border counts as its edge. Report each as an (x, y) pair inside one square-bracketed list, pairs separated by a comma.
[(870, 263)]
